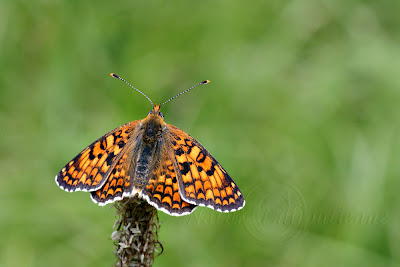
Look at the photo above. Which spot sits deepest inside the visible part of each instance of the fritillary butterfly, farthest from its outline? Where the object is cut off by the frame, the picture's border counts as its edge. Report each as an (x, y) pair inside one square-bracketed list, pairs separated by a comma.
[(155, 161)]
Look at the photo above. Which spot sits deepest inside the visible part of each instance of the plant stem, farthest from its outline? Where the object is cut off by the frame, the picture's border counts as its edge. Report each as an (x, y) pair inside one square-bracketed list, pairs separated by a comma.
[(135, 236)]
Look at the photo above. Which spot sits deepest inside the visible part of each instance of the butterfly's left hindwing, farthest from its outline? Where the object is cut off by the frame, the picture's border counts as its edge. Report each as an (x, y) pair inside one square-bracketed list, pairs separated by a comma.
[(90, 169), (119, 183), (202, 180)]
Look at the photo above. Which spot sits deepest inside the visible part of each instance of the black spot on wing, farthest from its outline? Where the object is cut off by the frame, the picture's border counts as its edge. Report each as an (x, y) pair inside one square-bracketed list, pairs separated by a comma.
[(103, 145), (185, 167), (121, 144), (109, 158), (200, 158), (179, 151), (189, 150), (211, 170)]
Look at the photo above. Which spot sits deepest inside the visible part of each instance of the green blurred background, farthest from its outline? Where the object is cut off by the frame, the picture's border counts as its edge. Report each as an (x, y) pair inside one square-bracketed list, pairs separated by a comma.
[(302, 110)]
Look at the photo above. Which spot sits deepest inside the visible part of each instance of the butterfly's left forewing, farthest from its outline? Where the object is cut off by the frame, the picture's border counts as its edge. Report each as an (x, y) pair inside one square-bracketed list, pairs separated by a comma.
[(89, 170), (202, 180)]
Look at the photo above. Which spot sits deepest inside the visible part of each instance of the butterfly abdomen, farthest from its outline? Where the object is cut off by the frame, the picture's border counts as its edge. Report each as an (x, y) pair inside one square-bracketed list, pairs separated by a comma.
[(151, 132), (143, 163)]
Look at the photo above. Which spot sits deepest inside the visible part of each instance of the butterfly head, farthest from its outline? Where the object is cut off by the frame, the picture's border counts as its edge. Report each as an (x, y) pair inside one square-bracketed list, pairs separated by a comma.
[(155, 116), (156, 111)]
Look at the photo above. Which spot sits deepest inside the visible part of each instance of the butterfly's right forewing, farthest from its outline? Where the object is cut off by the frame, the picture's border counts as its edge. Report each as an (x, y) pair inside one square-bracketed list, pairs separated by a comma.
[(202, 180)]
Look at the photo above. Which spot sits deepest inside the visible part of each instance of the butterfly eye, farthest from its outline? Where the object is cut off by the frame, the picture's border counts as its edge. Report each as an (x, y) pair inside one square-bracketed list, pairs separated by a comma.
[(162, 115), (149, 113)]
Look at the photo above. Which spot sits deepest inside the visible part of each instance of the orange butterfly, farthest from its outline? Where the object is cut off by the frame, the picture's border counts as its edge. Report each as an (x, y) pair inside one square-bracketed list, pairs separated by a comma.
[(156, 161)]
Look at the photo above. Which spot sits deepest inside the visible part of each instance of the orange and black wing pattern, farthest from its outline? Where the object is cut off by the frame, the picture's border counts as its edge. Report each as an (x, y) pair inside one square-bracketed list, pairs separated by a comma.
[(119, 182), (89, 170), (202, 180), (162, 188)]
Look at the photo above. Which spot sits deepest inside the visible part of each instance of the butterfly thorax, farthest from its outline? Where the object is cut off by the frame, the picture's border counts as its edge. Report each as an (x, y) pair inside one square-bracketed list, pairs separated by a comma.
[(152, 127)]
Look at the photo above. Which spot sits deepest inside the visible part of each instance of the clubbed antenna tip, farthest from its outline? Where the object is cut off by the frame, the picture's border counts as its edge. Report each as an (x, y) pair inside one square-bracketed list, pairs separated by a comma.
[(116, 76), (204, 82)]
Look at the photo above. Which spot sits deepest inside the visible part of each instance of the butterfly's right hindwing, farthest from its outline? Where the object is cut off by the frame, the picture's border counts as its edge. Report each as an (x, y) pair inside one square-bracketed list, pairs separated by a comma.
[(162, 188), (90, 169)]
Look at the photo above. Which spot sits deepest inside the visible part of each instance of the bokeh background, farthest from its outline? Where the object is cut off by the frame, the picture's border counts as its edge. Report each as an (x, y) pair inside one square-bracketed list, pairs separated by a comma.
[(302, 110)]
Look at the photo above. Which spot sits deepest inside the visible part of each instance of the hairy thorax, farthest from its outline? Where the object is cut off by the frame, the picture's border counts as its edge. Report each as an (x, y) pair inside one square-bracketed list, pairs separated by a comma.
[(152, 128)]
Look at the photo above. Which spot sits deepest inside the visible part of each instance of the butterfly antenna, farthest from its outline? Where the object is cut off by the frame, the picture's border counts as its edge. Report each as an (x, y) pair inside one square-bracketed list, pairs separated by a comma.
[(205, 82), (116, 76)]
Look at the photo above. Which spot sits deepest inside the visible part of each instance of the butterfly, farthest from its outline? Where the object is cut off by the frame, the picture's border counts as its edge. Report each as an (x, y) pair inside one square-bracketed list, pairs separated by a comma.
[(155, 161)]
